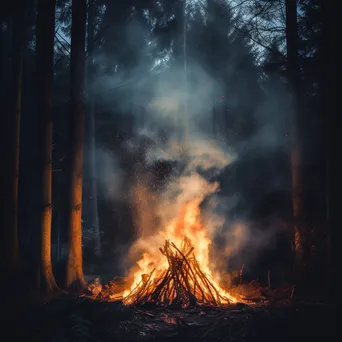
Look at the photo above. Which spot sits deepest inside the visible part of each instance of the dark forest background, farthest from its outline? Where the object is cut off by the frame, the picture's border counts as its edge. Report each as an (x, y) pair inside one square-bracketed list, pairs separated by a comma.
[(267, 79)]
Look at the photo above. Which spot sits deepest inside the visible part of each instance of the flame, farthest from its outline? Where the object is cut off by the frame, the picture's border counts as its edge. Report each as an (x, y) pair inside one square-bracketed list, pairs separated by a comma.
[(186, 226)]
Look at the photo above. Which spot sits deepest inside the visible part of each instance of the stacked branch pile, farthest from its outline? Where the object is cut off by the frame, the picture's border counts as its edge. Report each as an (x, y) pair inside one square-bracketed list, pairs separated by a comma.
[(183, 283)]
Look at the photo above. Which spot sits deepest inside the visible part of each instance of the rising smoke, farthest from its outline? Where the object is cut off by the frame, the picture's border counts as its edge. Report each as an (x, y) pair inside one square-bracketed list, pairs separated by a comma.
[(201, 159)]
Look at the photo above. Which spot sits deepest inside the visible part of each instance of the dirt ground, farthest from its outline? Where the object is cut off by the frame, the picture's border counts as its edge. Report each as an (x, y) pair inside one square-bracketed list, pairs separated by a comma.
[(72, 318)]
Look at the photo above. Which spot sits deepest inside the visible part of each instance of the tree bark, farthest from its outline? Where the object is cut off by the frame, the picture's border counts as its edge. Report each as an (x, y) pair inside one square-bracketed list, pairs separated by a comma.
[(11, 134), (93, 210), (185, 76), (179, 54), (330, 112), (293, 72), (45, 51), (74, 275)]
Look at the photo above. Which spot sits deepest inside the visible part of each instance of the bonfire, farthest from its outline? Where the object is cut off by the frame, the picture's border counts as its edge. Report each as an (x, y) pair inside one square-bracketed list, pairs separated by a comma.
[(183, 283), (179, 273)]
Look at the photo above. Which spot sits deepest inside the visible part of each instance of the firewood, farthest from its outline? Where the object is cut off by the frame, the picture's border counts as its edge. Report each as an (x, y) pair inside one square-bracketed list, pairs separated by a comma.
[(183, 283)]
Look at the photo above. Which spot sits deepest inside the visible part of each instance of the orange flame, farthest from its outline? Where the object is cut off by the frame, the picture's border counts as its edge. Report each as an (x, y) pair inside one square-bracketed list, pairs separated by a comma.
[(186, 226)]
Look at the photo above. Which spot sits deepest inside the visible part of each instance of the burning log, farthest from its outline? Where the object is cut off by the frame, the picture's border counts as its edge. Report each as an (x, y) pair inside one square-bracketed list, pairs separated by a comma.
[(183, 284)]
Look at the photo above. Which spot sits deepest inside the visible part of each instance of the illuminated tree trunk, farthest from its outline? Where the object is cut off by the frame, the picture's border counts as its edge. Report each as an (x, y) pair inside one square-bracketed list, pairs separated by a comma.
[(74, 275), (45, 50), (12, 139), (93, 210), (293, 71)]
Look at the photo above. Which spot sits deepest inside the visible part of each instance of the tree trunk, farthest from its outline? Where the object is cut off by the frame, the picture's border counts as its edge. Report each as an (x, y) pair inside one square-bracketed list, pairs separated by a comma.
[(329, 108), (59, 217), (74, 275), (293, 72), (11, 134), (45, 52), (185, 77), (179, 54), (93, 210)]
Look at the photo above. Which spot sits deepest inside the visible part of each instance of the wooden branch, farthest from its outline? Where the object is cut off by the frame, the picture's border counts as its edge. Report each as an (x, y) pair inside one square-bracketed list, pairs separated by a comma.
[(183, 283)]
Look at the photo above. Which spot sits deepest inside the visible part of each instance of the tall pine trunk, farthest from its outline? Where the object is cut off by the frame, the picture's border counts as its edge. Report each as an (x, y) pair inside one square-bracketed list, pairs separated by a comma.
[(45, 51), (185, 76), (293, 72), (179, 54), (93, 209), (11, 134), (330, 113), (74, 273)]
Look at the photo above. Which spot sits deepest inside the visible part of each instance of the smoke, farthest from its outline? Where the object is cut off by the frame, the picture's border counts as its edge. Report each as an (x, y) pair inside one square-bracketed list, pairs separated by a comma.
[(203, 164), (109, 175)]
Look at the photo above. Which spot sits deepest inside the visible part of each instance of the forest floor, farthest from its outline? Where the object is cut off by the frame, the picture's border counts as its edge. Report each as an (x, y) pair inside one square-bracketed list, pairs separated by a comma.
[(75, 318)]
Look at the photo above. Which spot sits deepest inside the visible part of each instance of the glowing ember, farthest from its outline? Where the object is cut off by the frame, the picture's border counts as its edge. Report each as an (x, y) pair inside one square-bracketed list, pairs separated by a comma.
[(183, 275)]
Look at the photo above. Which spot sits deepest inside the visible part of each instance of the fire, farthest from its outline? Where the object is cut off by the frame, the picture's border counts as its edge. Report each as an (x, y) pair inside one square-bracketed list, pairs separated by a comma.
[(180, 271)]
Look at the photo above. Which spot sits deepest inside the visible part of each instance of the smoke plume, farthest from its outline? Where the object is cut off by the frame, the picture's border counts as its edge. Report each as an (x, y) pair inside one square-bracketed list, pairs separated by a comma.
[(203, 160)]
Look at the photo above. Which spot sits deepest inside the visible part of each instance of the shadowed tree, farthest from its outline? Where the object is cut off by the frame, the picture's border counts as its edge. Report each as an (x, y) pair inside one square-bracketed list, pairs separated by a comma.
[(299, 25), (11, 134), (74, 273), (330, 107), (45, 50), (293, 74), (90, 136)]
